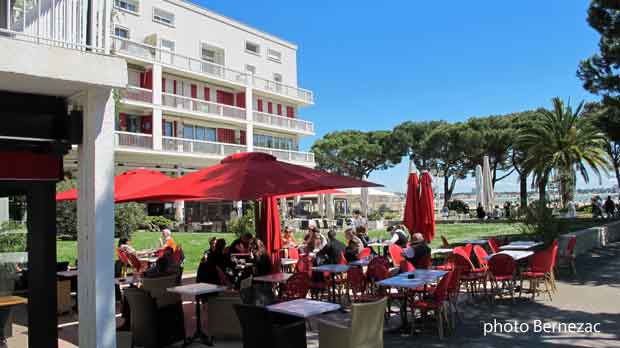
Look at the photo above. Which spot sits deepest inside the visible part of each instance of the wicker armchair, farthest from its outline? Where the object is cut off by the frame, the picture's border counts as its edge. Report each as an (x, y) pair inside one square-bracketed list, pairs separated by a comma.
[(362, 328)]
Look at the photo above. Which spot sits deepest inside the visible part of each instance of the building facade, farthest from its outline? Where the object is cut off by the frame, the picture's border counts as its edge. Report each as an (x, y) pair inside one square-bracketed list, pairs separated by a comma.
[(202, 86)]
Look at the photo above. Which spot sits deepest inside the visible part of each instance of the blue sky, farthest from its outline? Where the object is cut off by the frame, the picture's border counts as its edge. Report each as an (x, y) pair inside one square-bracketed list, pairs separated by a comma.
[(375, 65)]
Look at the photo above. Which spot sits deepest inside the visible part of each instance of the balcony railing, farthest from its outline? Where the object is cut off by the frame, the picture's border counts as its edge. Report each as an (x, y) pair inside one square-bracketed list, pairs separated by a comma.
[(197, 105), (137, 140), (155, 54), (283, 122), (282, 89), (151, 53), (288, 155), (201, 147), (138, 94), (61, 23)]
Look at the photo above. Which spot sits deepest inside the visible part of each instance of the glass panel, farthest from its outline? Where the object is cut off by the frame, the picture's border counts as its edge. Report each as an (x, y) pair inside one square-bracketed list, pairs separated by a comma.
[(188, 132), (133, 124), (211, 134), (200, 133), (168, 128)]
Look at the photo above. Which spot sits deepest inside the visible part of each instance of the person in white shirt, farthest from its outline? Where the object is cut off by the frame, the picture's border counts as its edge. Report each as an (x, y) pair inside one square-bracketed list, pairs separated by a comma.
[(399, 236), (358, 220)]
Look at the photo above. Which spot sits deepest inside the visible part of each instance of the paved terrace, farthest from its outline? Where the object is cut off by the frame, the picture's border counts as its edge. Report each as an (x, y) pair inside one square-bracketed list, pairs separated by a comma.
[(591, 297)]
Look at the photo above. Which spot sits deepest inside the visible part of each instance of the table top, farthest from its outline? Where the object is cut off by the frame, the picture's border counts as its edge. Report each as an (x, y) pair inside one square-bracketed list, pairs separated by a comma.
[(521, 245), (515, 254), (274, 278), (441, 251), (474, 241), (197, 289), (331, 268), (68, 274), (422, 277), (378, 244), (127, 280), (9, 301), (303, 308), (288, 262), (363, 262)]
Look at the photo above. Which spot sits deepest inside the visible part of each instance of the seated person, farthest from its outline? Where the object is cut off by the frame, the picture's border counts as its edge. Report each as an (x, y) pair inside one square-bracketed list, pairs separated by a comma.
[(166, 240), (362, 233), (330, 253), (418, 253), (288, 239), (124, 245), (262, 261), (160, 268), (207, 270), (354, 245), (241, 245)]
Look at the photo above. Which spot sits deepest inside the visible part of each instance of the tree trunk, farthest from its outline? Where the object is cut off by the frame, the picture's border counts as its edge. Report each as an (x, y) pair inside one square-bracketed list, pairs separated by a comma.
[(542, 189), (523, 190), (446, 191), (567, 184)]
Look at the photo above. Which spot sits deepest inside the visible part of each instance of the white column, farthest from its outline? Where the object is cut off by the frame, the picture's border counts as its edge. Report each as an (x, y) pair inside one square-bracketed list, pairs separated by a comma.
[(179, 206), (96, 297), (157, 113), (249, 116)]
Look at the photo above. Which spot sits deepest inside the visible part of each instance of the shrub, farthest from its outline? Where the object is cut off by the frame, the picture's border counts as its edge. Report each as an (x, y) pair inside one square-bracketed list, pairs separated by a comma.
[(457, 205), (66, 212), (156, 223), (539, 221), (12, 241), (374, 216), (127, 218), (243, 224)]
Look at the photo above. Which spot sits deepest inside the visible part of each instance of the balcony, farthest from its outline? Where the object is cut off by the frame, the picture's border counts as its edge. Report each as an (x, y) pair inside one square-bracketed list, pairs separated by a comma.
[(171, 144), (283, 122), (138, 94), (133, 140), (202, 106), (288, 155), (141, 51)]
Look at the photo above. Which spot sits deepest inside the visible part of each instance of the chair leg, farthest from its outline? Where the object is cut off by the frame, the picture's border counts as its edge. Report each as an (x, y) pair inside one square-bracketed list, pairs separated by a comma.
[(439, 315)]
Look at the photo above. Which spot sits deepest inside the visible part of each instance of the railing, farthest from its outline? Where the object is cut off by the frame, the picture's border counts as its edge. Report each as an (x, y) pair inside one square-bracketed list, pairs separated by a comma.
[(288, 155), (192, 104), (199, 146), (138, 94), (280, 88), (128, 139), (61, 23), (284, 122), (155, 54)]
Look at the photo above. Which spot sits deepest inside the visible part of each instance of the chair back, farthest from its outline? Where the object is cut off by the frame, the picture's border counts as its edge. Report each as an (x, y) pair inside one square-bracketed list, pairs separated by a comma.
[(178, 255), (380, 260), (462, 263), (544, 260), (502, 265), (454, 286), (570, 248), (396, 253), (493, 245), (481, 255), (296, 287), (367, 320), (304, 264), (157, 289), (406, 266), (342, 260), (135, 263), (246, 283), (364, 253), (293, 253), (122, 256), (554, 254), (468, 248), (441, 291), (256, 326), (377, 272), (444, 242), (356, 280), (143, 317)]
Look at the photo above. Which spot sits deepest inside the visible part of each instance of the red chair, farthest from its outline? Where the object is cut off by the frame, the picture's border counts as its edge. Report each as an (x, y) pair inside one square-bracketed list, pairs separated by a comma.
[(444, 242), (342, 260), (454, 288), (364, 253), (470, 275), (406, 266), (468, 248), (293, 253), (318, 287), (482, 257), (396, 253), (380, 260), (436, 303), (493, 245), (304, 264), (357, 286), (540, 267), (137, 265), (502, 270), (296, 287), (567, 258)]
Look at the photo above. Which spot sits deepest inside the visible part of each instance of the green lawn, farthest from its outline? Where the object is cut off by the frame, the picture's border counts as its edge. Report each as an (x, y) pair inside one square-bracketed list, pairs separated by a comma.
[(194, 244)]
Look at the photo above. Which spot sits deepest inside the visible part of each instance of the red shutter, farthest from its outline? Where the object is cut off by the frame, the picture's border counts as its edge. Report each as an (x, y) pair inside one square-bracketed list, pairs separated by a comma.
[(225, 135), (270, 107), (259, 105), (122, 122), (194, 91), (280, 109), (242, 138), (290, 112), (207, 94), (174, 86), (241, 100), (146, 124), (148, 79), (226, 98), (174, 129)]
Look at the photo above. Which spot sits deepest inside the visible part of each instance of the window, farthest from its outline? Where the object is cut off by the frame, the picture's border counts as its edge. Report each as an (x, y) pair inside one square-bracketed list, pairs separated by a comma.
[(163, 17), (166, 44), (212, 54), (168, 129), (188, 131), (121, 32), (128, 5), (201, 133), (274, 142), (211, 134), (250, 69), (274, 55), (251, 47)]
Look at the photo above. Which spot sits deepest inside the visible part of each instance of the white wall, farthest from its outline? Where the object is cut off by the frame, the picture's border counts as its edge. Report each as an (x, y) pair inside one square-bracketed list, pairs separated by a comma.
[(194, 25)]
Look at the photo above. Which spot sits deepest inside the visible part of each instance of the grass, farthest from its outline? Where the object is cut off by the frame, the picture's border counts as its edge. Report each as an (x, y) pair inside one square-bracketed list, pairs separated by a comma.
[(194, 244)]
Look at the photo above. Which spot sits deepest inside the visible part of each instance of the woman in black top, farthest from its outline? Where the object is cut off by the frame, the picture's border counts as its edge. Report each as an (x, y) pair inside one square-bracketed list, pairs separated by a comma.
[(207, 270), (262, 261)]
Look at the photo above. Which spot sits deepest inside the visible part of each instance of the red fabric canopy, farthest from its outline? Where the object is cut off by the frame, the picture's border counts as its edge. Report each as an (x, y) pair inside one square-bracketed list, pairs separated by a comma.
[(248, 176), (319, 192), (411, 217), (269, 229), (427, 207), (126, 185)]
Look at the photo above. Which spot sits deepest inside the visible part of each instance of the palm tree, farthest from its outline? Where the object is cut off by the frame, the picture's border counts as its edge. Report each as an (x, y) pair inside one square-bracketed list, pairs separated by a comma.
[(561, 142)]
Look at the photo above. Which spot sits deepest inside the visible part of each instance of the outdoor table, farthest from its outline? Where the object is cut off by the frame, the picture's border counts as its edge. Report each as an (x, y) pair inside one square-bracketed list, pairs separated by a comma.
[(11, 301), (423, 277), (441, 251), (273, 278), (332, 269), (473, 242), (288, 264), (67, 274), (361, 263), (303, 308), (521, 245), (127, 280), (196, 290), (515, 254)]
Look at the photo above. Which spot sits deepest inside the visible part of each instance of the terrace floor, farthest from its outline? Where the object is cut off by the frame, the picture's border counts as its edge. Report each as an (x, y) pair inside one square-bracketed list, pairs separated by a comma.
[(591, 297)]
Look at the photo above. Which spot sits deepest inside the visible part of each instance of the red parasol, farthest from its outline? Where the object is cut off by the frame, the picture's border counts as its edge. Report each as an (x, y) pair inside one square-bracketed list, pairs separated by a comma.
[(319, 192), (248, 176), (125, 185), (269, 229), (411, 217), (427, 207)]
